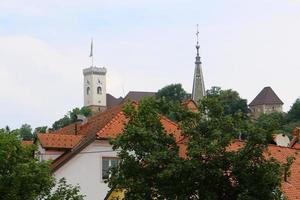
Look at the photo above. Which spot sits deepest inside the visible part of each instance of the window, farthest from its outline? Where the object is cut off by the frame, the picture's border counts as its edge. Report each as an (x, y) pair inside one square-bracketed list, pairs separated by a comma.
[(108, 162), (99, 90), (88, 90)]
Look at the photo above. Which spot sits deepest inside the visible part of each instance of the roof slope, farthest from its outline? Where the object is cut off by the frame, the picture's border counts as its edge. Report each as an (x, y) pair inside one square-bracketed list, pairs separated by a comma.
[(112, 101), (138, 95), (58, 141), (117, 125), (87, 131), (266, 97)]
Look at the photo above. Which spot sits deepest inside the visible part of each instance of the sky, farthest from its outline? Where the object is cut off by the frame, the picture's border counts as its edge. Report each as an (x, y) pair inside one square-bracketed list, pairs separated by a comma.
[(145, 45)]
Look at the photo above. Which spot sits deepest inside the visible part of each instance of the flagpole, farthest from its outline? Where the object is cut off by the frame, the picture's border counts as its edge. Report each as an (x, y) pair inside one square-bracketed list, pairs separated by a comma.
[(92, 53)]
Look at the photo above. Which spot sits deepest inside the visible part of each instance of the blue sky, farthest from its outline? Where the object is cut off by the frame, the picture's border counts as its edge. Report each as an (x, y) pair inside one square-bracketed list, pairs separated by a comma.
[(145, 45)]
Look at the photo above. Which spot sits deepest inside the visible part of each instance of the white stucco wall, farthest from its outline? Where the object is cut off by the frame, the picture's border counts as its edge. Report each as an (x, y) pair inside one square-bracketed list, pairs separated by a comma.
[(85, 169)]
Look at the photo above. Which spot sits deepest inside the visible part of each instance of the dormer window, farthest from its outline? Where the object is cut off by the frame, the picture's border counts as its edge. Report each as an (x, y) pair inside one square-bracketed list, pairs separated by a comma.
[(88, 90), (99, 90)]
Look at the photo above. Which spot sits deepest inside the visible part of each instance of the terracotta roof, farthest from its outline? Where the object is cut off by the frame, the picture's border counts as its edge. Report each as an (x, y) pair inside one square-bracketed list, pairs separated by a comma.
[(88, 131), (266, 97), (27, 142), (94, 123), (190, 104), (291, 188), (58, 141), (138, 95), (117, 124)]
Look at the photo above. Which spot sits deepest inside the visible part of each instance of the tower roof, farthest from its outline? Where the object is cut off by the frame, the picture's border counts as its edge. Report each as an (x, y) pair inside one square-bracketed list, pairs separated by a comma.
[(266, 97)]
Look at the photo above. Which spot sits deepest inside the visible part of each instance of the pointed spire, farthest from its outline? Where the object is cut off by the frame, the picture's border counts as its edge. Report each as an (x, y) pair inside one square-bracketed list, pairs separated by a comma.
[(198, 83), (197, 46)]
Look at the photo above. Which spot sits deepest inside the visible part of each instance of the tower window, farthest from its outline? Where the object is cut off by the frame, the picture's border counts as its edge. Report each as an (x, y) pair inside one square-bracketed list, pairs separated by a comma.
[(88, 90), (99, 90)]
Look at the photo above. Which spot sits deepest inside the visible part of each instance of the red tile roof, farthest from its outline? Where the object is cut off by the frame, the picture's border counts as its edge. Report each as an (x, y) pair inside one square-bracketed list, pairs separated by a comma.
[(27, 142), (58, 141), (291, 188)]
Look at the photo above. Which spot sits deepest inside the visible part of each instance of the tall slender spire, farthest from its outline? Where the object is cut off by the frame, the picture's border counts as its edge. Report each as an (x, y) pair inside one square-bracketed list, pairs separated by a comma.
[(198, 82)]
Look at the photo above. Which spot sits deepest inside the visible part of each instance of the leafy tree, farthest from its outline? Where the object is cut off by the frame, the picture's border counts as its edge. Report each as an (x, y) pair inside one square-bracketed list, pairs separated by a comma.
[(64, 191), (173, 92), (169, 102), (150, 172), (294, 113), (26, 132), (41, 129), (273, 123), (150, 167), (231, 100), (71, 117), (23, 177)]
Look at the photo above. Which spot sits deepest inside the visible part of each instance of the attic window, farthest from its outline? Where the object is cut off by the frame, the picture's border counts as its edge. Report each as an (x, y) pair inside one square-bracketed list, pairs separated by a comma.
[(107, 163)]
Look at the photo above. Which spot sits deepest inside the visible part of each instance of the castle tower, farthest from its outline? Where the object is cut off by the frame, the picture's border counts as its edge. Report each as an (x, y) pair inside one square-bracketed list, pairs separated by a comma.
[(265, 102), (94, 86), (198, 82)]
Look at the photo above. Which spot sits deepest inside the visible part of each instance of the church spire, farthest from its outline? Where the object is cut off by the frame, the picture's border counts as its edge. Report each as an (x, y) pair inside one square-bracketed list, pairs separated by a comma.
[(198, 82)]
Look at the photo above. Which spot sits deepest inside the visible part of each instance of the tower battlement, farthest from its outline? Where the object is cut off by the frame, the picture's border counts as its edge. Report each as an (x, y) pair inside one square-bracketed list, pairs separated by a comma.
[(94, 70)]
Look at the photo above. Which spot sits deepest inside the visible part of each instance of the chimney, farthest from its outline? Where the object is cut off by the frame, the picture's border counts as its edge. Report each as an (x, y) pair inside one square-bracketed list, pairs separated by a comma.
[(296, 136)]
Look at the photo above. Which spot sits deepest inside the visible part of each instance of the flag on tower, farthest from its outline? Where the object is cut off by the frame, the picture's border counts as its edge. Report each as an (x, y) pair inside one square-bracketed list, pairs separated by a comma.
[(91, 53)]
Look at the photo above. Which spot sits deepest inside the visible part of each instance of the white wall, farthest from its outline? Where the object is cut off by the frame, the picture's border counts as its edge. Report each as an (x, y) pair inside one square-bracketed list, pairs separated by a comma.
[(85, 169)]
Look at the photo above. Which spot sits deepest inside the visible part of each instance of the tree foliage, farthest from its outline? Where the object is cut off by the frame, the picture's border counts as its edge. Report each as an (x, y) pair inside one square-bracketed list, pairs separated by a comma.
[(26, 132), (231, 100), (71, 117), (151, 168), (294, 113), (24, 177), (172, 92)]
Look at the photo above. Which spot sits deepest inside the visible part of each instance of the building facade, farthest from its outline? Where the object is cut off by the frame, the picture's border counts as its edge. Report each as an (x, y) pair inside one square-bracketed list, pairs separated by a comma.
[(265, 102)]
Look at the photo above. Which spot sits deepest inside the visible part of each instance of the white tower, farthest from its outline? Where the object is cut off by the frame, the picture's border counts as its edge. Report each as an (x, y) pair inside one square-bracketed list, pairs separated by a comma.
[(95, 88)]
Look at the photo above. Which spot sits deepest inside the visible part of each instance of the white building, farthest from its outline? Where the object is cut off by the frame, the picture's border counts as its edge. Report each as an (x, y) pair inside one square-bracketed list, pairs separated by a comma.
[(81, 153)]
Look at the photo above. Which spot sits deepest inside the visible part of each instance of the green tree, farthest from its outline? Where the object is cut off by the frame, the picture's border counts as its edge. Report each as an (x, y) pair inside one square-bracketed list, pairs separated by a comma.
[(173, 92), (169, 102), (23, 177), (150, 172), (150, 167), (294, 113), (26, 132), (272, 123), (71, 117), (41, 129), (64, 191), (231, 100)]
